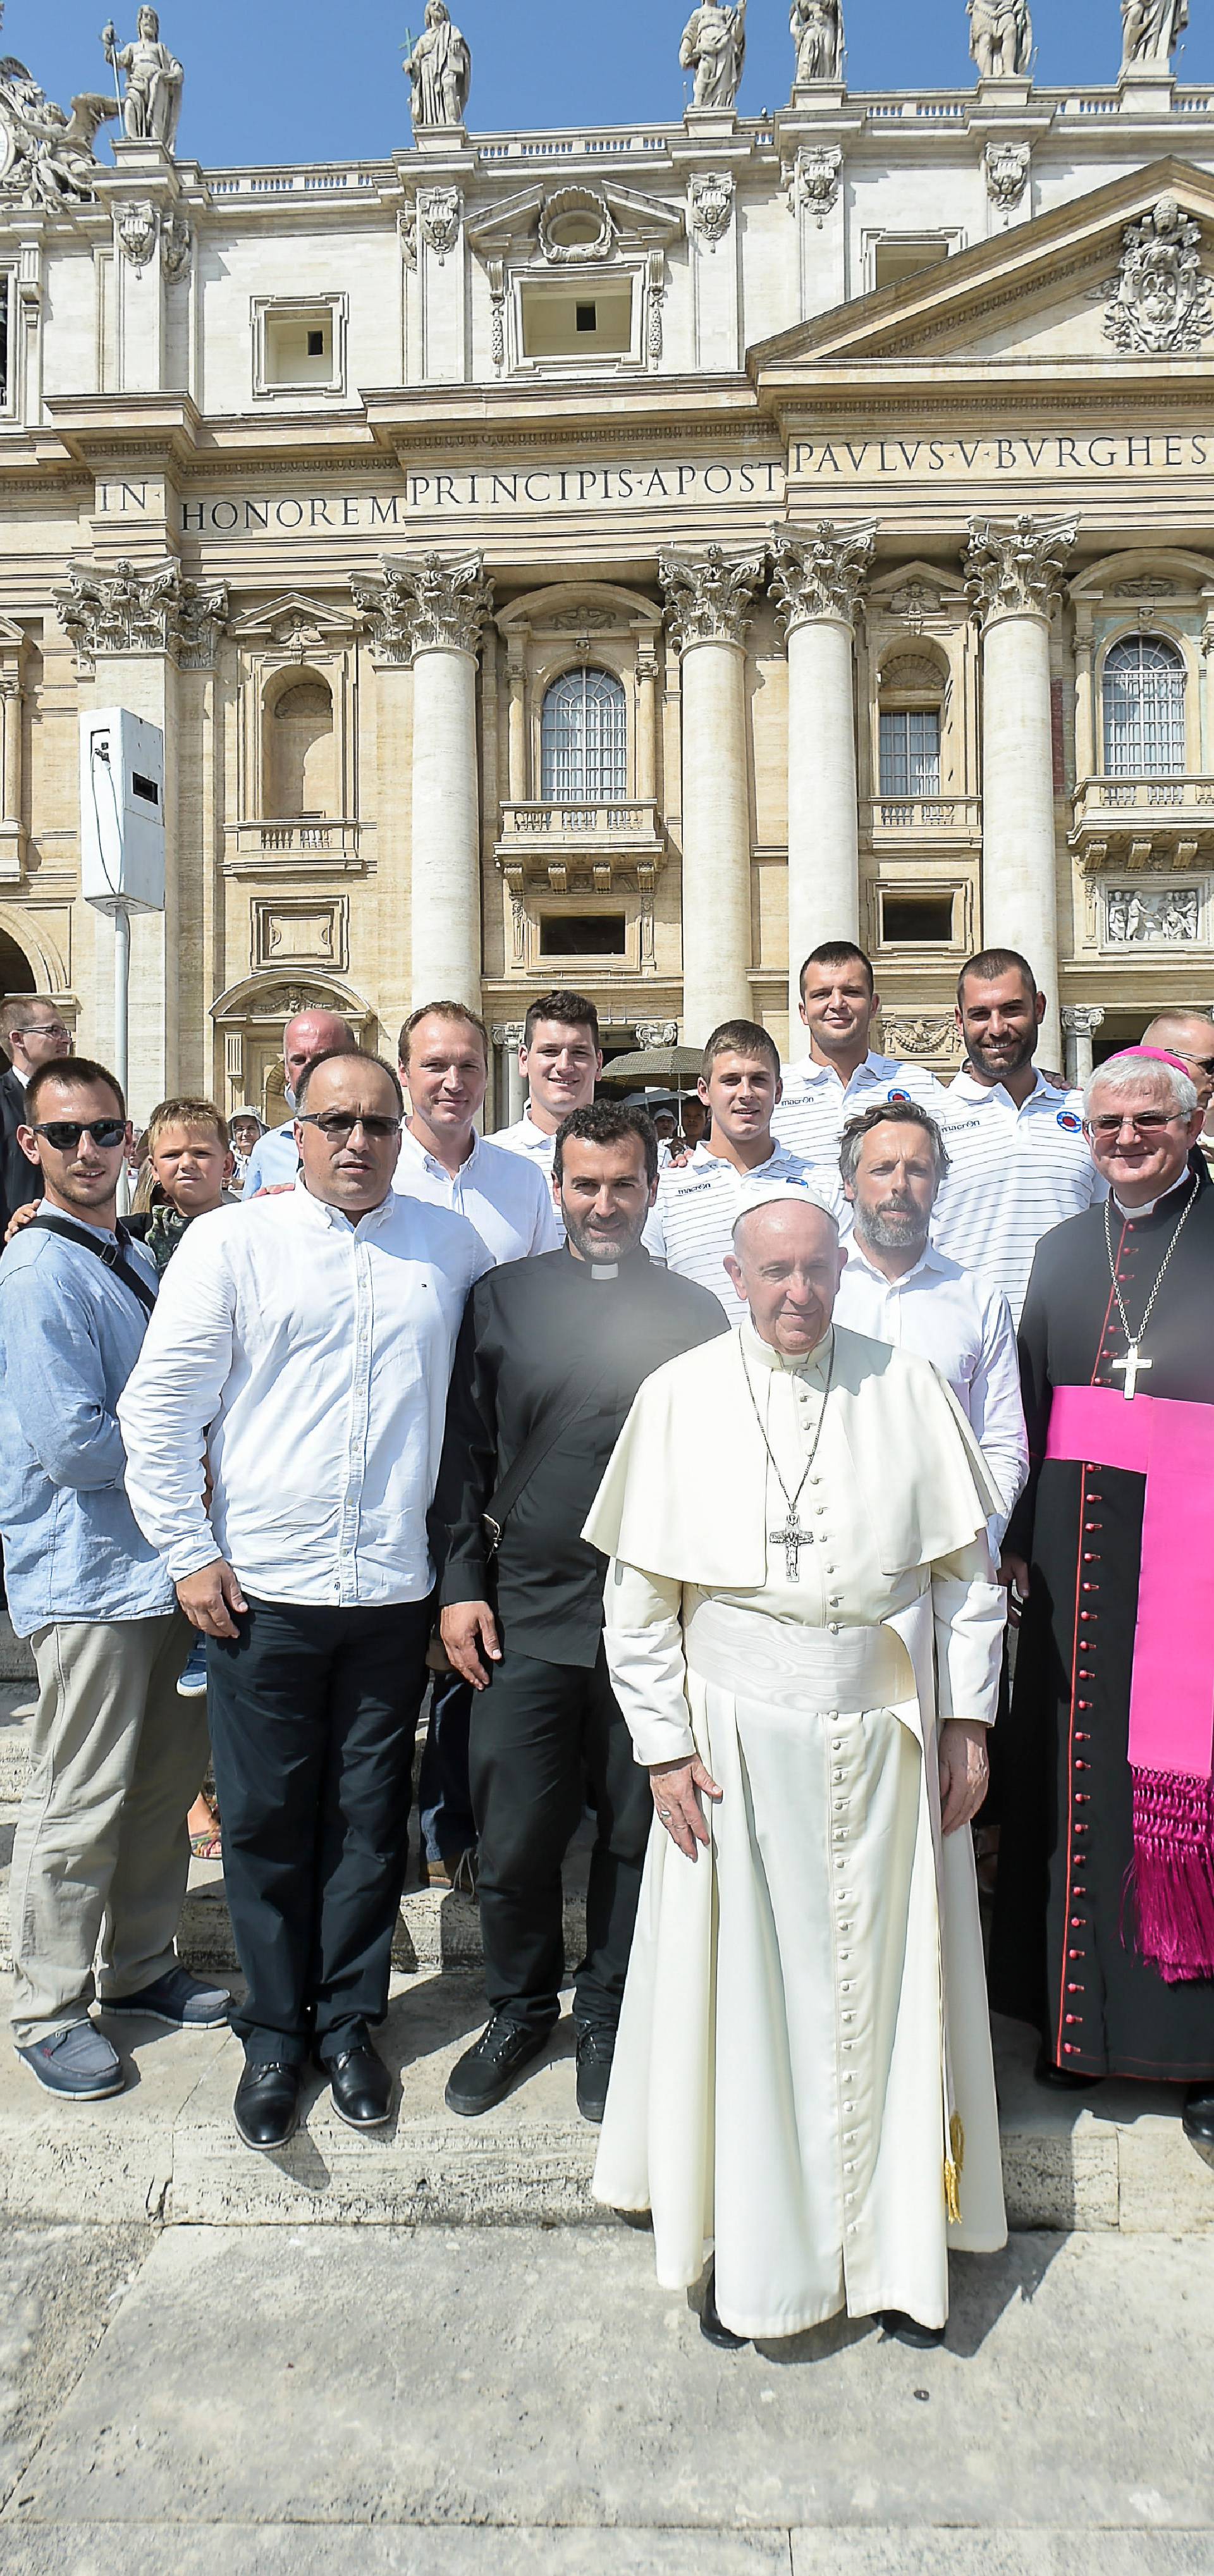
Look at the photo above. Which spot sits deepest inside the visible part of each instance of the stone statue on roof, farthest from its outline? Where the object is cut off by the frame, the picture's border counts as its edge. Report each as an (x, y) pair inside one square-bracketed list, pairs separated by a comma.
[(1150, 30), (151, 109), (714, 47), (816, 28), (1001, 37), (439, 69)]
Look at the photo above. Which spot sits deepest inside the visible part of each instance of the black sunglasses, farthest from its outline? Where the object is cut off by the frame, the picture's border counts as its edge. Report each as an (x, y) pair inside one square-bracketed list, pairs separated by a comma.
[(341, 1123), (65, 1133)]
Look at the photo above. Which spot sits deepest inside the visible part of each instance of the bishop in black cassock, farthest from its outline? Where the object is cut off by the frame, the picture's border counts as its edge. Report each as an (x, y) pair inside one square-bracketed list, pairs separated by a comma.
[(1104, 1914)]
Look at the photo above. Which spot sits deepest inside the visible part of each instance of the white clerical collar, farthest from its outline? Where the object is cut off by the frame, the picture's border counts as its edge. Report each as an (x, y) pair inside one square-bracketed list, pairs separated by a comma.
[(1148, 1206), (757, 1349), (604, 1269)]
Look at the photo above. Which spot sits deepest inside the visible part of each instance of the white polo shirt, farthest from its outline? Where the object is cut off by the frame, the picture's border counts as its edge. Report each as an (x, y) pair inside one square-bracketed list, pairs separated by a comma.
[(1013, 1175), (943, 1315), (815, 1106), (690, 1227), (505, 1197), (526, 1138)]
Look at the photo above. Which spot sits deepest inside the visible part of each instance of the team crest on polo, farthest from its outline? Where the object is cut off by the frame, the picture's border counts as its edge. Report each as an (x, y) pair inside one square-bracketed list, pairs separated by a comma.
[(1067, 1118), (900, 1096)]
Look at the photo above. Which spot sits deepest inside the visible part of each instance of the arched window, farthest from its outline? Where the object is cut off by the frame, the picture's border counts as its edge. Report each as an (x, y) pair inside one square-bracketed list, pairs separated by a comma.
[(582, 740), (1143, 709), (299, 751), (908, 727)]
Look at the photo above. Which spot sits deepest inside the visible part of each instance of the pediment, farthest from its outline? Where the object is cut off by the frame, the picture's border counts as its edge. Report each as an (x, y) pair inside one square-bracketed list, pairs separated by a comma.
[(293, 618), (1057, 289), (632, 217)]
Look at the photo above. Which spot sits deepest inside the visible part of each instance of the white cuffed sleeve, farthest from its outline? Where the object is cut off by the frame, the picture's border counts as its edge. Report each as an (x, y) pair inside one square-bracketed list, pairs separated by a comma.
[(970, 1612), (644, 1644)]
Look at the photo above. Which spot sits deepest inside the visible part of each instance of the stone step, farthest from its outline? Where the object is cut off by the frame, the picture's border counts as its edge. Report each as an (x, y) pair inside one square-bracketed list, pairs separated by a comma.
[(1115, 2160)]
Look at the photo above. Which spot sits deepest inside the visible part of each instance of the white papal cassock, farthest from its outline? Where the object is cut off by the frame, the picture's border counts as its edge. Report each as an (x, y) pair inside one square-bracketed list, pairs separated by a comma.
[(804, 2051)]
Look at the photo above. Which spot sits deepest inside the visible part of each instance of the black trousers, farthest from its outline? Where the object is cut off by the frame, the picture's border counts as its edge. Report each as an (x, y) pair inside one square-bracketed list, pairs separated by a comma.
[(537, 1732), (313, 1714)]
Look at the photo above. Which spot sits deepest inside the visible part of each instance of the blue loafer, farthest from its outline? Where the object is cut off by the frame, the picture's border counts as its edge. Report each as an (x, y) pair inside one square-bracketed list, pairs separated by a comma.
[(78, 2064), (181, 2001)]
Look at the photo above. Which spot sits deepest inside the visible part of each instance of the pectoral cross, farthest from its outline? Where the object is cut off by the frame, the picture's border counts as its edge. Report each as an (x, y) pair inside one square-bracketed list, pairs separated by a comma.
[(792, 1538), (1132, 1364)]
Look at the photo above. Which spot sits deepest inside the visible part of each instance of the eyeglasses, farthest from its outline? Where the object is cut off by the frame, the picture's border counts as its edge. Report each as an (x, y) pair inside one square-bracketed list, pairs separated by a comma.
[(65, 1133), (1151, 1122), (1204, 1063), (341, 1123), (44, 1029)]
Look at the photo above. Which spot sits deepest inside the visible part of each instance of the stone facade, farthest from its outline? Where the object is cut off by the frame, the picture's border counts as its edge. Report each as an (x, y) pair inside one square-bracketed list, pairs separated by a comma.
[(606, 557)]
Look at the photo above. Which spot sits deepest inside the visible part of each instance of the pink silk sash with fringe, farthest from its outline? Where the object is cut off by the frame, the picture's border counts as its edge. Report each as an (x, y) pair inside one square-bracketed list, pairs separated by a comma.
[(1171, 1742)]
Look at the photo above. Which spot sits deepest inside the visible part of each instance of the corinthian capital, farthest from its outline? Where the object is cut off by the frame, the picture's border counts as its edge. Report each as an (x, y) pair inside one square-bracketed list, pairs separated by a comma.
[(415, 608), (1014, 567), (126, 610), (820, 573), (708, 595)]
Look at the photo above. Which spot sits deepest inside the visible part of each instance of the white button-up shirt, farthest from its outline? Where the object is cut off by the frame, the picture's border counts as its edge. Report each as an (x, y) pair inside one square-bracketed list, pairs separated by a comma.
[(690, 1226), (815, 1107), (943, 1315), (306, 1359), (526, 1138), (1014, 1174), (506, 1197)]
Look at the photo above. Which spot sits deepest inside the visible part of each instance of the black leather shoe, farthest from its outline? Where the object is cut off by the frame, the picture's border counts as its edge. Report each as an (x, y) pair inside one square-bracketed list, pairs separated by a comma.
[(266, 2108), (595, 2051), (360, 2085), (1197, 2118), (486, 2071), (904, 2329), (1060, 2078), (721, 2337)]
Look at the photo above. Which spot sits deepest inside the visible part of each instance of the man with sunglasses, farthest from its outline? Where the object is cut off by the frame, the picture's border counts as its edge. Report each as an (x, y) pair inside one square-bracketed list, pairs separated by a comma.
[(102, 1847), (1190, 1035), (301, 1349)]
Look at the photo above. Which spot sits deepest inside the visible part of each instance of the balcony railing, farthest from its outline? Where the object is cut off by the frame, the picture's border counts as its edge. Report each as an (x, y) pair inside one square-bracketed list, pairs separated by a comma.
[(1098, 797), (1142, 822), (545, 828), (306, 841), (922, 818)]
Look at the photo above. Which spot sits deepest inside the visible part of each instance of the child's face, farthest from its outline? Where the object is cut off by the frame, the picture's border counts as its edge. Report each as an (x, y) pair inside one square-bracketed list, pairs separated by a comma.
[(191, 1167)]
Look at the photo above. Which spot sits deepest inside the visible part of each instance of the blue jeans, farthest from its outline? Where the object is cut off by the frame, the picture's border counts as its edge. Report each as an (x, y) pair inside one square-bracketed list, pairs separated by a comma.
[(443, 1796)]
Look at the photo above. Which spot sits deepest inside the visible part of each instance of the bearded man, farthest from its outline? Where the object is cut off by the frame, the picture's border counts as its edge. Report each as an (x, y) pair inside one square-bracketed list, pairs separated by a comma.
[(803, 1631), (1104, 1919)]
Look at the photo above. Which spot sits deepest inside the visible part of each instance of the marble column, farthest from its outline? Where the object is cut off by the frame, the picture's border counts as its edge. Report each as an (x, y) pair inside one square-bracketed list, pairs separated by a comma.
[(508, 1036), (817, 577), (1080, 1023), (1014, 570), (436, 608), (708, 597)]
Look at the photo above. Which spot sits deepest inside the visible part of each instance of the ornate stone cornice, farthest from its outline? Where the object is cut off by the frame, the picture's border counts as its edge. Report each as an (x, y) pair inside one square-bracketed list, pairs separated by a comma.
[(709, 594), (434, 605), (126, 610), (1014, 567), (820, 573)]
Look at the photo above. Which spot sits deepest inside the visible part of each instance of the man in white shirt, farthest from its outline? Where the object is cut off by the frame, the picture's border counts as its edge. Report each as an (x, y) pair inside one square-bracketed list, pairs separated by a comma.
[(274, 1160), (691, 1227), (444, 1067), (841, 1073), (560, 1060), (1018, 1162), (301, 1353), (898, 1288)]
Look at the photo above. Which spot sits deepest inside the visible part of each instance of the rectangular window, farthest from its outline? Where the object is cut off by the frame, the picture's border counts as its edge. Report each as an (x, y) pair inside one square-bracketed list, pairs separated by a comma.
[(914, 920), (299, 343), (910, 751), (582, 934), (903, 255), (560, 323)]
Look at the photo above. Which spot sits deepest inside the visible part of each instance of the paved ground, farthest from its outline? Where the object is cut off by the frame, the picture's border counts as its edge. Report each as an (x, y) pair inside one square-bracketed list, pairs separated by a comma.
[(505, 2399)]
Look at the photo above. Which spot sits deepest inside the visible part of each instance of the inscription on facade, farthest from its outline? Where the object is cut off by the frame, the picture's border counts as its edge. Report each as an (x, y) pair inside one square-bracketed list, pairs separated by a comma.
[(467, 492), (865, 460)]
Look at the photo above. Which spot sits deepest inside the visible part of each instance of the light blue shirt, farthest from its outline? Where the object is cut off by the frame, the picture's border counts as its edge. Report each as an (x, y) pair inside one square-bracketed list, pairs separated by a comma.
[(70, 1335), (274, 1161)]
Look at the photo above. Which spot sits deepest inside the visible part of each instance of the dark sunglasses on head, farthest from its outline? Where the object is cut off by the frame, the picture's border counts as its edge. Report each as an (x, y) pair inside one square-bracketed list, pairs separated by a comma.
[(341, 1123), (65, 1133)]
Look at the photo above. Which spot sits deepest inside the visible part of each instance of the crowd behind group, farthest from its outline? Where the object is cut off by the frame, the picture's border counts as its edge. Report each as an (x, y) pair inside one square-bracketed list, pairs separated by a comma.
[(314, 1432)]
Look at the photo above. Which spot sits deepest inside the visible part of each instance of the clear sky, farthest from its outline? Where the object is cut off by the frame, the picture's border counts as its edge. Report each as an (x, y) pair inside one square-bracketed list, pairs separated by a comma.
[(284, 80)]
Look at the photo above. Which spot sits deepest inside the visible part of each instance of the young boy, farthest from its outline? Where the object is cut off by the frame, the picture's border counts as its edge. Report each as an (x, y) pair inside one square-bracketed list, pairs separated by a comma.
[(189, 1151)]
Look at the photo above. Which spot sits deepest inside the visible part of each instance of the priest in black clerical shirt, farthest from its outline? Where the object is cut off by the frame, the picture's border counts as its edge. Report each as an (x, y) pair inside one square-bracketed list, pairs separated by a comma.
[(550, 1356)]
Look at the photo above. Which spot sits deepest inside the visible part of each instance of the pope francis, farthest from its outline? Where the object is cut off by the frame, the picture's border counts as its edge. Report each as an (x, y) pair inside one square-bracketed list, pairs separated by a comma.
[(803, 1632)]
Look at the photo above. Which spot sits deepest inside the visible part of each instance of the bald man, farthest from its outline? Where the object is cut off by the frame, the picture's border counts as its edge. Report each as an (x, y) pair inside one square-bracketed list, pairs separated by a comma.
[(275, 1157), (1190, 1035)]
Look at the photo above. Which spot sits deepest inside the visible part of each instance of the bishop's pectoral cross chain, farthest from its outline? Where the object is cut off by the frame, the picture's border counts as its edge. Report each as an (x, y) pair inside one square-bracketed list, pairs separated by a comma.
[(792, 1538), (1132, 1366)]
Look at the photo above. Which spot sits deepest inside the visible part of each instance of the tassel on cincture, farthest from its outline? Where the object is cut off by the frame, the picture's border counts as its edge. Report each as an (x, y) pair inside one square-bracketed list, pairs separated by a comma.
[(952, 2171)]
